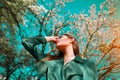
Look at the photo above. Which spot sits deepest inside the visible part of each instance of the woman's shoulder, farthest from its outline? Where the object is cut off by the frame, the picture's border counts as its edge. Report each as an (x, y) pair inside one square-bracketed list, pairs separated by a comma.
[(84, 60), (52, 63), (91, 64)]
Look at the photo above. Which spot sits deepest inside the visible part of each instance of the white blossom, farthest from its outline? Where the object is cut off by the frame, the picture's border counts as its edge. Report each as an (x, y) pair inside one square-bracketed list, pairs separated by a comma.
[(60, 23), (38, 9)]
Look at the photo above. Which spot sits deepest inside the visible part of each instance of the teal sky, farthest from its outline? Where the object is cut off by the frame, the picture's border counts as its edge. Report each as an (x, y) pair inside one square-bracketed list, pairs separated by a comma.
[(117, 14), (84, 5)]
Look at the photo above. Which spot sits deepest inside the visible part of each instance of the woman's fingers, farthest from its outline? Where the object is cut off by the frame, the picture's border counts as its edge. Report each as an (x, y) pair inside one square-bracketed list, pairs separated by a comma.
[(52, 38)]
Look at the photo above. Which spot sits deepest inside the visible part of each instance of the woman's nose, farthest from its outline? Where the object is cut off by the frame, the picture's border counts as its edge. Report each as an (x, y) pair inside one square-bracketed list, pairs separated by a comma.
[(57, 38)]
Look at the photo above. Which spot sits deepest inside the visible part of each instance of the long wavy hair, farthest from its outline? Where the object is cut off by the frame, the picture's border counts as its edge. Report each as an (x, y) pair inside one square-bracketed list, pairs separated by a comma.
[(61, 54)]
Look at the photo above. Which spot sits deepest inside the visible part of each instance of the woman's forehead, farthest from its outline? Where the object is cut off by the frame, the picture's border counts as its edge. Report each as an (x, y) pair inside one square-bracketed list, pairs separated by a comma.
[(63, 36), (67, 35)]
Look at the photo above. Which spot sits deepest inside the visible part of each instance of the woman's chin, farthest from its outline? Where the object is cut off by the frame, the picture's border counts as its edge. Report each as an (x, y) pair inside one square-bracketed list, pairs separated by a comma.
[(58, 47)]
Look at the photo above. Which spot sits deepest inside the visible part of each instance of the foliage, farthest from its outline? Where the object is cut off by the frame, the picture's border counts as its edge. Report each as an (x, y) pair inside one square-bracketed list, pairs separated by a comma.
[(96, 31)]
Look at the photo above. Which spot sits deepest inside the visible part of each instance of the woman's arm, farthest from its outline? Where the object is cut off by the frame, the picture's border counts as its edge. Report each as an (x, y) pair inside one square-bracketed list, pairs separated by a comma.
[(30, 45)]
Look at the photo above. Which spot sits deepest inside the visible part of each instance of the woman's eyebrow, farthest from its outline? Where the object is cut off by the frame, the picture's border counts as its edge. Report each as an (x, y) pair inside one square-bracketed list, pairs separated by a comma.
[(60, 36)]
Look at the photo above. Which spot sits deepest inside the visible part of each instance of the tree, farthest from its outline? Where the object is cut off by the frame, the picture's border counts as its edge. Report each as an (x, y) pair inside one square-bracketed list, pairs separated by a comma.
[(11, 12), (94, 31)]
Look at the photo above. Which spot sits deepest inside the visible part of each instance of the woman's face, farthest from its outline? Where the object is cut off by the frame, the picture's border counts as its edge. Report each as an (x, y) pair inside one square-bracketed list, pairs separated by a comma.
[(63, 41)]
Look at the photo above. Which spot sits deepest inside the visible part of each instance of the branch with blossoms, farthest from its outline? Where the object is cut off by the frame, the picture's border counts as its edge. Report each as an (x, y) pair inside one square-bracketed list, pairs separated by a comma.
[(48, 15), (108, 70), (91, 25)]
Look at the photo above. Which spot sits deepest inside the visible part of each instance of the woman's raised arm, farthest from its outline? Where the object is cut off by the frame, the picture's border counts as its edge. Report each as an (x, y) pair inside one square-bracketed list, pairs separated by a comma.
[(30, 45)]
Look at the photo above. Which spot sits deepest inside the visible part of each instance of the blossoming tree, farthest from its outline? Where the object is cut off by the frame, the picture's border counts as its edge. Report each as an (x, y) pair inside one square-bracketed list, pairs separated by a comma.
[(96, 32)]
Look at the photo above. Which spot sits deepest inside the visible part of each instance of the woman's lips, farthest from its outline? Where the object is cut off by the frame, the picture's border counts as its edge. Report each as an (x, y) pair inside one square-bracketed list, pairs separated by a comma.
[(56, 41)]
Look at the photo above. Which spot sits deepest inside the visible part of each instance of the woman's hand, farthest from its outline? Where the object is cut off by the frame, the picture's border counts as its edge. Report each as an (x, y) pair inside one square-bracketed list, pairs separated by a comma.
[(51, 38)]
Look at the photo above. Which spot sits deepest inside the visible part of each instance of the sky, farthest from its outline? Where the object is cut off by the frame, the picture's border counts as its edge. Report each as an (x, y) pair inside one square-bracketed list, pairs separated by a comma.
[(84, 5), (80, 5)]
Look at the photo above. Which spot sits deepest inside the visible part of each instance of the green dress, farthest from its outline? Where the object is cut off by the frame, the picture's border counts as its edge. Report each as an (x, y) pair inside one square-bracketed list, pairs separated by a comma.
[(76, 69)]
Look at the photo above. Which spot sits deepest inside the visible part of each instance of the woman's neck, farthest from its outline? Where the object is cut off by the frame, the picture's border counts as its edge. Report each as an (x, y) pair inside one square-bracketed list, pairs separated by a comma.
[(68, 54)]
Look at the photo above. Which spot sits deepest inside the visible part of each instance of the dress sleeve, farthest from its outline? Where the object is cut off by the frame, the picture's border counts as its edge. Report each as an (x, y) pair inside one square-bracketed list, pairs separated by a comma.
[(30, 45), (41, 68)]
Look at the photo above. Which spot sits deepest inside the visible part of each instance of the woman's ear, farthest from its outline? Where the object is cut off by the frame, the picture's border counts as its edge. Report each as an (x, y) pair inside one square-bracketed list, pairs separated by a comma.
[(72, 40)]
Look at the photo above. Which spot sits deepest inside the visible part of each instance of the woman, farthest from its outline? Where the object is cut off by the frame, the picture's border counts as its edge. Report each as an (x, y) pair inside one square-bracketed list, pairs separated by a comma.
[(67, 65)]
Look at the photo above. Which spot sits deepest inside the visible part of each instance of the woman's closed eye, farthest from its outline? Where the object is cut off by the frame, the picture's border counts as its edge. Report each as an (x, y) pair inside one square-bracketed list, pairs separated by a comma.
[(60, 36)]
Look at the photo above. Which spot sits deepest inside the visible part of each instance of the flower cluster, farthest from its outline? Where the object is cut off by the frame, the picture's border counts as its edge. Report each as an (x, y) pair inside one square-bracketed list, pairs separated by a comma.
[(38, 9)]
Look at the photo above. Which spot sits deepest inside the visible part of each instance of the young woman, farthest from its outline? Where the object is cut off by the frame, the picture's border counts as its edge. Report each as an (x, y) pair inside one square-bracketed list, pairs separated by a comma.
[(67, 65)]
